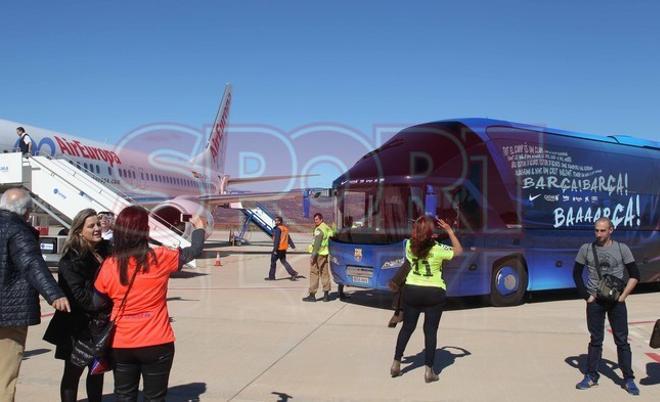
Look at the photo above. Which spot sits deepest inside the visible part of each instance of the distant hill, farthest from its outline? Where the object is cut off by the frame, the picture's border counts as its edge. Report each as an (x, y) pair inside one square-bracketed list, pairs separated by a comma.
[(291, 209)]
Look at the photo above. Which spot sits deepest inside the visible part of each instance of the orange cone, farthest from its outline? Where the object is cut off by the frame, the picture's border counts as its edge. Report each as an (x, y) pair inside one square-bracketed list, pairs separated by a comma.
[(217, 262)]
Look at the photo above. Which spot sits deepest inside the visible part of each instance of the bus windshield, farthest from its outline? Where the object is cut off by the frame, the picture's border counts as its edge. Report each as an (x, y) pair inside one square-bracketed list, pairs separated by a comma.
[(377, 214)]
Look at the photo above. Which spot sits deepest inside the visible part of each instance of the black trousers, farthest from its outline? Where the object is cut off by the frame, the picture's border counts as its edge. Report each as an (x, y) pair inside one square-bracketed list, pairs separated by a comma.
[(280, 255), (427, 300), (153, 363), (69, 384)]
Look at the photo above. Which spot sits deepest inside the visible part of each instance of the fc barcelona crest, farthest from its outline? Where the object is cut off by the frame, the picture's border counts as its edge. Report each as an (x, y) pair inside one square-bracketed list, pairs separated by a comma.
[(358, 254)]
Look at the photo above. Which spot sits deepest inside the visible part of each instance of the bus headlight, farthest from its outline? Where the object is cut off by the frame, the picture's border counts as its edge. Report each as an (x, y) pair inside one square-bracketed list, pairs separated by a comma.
[(392, 263)]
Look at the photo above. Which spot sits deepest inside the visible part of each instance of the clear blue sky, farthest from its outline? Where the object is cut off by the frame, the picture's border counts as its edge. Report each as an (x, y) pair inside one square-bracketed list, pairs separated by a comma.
[(100, 69)]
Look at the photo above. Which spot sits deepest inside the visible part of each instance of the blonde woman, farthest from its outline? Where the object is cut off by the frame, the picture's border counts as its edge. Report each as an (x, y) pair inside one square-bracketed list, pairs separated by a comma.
[(83, 253)]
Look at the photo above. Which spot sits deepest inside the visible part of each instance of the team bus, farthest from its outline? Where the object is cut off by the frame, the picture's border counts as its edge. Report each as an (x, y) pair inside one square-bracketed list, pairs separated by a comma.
[(521, 199)]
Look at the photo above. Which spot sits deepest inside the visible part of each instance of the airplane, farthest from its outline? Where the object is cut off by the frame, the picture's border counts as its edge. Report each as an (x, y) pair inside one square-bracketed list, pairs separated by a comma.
[(151, 165)]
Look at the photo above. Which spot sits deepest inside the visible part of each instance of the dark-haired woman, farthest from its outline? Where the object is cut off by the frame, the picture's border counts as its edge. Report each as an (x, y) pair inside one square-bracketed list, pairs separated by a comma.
[(135, 277), (424, 290), (84, 251)]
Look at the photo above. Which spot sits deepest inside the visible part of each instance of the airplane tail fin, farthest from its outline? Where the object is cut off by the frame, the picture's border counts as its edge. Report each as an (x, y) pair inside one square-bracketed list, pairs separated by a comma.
[(212, 159)]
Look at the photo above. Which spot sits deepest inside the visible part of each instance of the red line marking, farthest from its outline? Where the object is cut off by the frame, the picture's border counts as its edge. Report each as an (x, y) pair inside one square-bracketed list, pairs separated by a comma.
[(640, 322), (654, 356), (47, 315)]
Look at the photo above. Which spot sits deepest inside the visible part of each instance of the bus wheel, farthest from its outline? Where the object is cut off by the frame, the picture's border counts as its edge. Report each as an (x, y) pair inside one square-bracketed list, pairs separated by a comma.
[(508, 283)]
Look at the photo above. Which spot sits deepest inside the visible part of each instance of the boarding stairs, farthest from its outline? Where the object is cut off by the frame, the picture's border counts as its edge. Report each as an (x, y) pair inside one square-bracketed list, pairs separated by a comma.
[(261, 216), (62, 190)]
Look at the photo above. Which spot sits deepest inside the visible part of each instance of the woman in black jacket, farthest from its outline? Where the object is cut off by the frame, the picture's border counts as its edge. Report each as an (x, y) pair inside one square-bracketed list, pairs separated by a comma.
[(83, 253)]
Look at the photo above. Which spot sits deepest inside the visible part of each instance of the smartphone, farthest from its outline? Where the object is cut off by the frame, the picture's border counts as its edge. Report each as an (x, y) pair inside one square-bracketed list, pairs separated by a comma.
[(186, 217)]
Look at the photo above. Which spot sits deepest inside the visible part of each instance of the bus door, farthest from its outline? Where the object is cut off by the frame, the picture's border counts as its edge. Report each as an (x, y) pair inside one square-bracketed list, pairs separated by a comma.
[(462, 208)]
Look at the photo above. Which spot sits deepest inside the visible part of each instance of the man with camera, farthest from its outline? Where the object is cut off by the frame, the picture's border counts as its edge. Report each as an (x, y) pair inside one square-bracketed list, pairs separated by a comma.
[(605, 292)]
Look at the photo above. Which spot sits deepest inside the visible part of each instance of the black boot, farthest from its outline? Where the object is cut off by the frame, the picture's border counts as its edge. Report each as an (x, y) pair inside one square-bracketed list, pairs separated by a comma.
[(310, 298), (326, 296)]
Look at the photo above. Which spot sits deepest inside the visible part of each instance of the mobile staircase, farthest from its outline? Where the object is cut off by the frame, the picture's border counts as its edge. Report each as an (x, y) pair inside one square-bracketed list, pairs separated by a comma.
[(261, 216), (62, 190)]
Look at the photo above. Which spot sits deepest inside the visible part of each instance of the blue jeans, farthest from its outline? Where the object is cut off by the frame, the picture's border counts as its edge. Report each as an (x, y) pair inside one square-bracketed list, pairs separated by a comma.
[(617, 314), (280, 255)]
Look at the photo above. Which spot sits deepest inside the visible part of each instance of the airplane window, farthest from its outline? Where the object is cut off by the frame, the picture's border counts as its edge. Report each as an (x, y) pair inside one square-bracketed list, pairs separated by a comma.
[(109, 171), (152, 176), (98, 169), (85, 165), (78, 165), (133, 173)]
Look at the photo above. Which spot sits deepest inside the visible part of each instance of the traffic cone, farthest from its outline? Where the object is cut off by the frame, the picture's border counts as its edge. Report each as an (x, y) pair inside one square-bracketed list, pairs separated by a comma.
[(217, 262)]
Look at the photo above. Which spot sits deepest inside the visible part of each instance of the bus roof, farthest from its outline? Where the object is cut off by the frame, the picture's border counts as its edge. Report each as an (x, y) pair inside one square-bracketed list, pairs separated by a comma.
[(478, 125)]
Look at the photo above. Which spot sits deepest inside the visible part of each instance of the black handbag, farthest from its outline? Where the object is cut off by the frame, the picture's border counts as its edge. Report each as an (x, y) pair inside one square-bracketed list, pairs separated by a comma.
[(654, 342), (609, 286), (102, 329)]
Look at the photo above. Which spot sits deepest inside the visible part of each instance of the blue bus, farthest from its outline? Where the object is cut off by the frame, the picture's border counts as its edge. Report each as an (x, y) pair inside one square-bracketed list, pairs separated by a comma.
[(521, 198)]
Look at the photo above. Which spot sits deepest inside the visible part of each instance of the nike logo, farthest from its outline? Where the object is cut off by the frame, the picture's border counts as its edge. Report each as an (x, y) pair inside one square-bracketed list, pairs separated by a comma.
[(532, 198)]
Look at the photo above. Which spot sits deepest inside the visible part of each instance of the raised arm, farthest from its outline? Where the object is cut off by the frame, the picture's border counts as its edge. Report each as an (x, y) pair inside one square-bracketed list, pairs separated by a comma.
[(455, 243)]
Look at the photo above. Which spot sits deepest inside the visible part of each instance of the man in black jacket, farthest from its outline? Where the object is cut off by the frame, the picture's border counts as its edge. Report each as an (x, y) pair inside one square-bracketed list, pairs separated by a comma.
[(23, 276)]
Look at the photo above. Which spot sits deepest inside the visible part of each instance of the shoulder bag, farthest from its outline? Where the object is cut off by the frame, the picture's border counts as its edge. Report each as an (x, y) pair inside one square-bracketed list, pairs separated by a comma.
[(93, 351), (609, 286)]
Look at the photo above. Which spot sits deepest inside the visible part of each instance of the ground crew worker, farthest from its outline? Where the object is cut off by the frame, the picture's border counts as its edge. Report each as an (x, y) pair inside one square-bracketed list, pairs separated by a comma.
[(319, 260), (281, 242)]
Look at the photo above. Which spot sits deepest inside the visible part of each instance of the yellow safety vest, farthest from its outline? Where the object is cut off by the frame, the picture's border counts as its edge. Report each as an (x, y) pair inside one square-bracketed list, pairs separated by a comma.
[(327, 233), (428, 271)]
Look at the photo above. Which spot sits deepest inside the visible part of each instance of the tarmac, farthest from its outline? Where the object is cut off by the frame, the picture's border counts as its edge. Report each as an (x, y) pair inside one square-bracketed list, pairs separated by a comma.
[(240, 338)]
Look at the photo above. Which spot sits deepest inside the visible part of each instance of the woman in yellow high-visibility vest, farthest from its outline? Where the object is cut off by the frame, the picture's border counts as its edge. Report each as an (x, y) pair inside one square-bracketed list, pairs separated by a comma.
[(424, 289)]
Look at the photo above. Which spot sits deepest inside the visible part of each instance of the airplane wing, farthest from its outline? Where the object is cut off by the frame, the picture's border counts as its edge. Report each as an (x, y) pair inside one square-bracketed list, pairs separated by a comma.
[(235, 181), (225, 199)]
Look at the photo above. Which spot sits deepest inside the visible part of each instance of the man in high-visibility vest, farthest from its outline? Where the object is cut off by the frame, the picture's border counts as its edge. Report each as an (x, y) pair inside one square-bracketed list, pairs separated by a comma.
[(281, 242), (319, 267)]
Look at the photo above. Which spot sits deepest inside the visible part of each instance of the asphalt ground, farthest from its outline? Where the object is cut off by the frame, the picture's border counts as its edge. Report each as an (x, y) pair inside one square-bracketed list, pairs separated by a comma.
[(240, 338)]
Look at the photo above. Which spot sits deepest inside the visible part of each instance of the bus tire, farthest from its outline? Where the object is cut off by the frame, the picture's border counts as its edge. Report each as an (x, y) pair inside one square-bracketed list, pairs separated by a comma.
[(508, 282)]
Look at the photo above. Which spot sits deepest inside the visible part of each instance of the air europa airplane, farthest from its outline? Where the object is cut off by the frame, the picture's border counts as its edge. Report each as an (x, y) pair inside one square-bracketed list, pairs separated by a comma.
[(159, 166)]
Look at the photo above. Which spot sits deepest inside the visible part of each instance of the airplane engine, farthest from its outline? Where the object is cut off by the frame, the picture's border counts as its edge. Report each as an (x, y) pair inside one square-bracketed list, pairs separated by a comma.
[(171, 212)]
